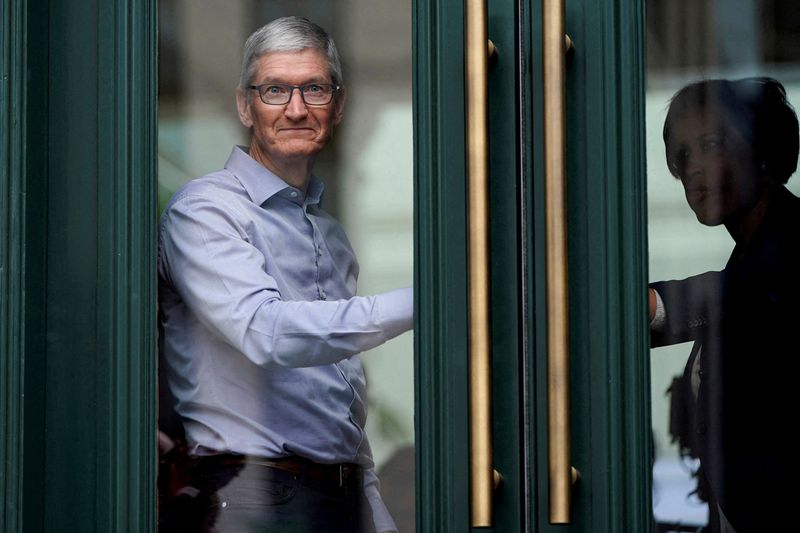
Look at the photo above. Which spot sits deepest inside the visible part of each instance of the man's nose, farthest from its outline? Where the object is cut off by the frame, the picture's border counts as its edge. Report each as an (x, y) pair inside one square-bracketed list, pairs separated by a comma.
[(296, 108)]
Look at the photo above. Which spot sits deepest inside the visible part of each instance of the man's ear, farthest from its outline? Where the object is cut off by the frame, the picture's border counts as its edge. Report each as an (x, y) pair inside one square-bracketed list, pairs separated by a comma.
[(338, 110), (243, 106)]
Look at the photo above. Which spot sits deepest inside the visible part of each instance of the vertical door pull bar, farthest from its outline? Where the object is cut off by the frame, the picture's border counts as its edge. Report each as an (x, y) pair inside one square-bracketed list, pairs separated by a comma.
[(561, 473), (483, 478)]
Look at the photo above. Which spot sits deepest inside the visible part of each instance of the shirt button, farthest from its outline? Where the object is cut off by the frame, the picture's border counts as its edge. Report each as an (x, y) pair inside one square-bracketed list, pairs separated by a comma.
[(293, 194)]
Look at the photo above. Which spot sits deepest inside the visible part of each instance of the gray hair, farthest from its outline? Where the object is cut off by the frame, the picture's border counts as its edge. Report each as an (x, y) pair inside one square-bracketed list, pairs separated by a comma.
[(288, 34)]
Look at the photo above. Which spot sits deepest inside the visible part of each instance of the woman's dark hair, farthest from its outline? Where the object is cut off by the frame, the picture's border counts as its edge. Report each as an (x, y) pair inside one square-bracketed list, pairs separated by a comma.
[(756, 107)]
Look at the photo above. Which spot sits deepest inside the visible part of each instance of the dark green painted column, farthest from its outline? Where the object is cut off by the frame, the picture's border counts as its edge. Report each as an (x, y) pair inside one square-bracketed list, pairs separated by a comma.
[(84, 362), (440, 268), (100, 378), (12, 271)]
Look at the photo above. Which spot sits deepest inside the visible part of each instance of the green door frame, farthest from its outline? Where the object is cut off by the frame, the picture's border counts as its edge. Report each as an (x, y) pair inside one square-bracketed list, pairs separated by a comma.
[(77, 245), (607, 227), (77, 257), (440, 275)]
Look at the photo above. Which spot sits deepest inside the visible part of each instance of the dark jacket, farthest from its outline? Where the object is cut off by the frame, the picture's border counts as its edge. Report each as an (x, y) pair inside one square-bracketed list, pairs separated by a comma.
[(745, 322)]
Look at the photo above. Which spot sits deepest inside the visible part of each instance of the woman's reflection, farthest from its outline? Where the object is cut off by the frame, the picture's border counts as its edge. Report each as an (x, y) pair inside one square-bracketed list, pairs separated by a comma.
[(733, 145)]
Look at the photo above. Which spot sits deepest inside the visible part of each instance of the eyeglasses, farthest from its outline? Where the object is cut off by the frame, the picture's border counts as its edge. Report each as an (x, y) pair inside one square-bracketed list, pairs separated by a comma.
[(280, 94)]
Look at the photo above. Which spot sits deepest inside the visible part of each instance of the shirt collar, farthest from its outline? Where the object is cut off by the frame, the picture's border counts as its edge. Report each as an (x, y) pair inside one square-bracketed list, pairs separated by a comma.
[(261, 184), (315, 190)]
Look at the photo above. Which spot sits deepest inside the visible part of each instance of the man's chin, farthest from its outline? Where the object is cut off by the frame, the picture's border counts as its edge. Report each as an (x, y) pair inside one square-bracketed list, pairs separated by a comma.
[(297, 149)]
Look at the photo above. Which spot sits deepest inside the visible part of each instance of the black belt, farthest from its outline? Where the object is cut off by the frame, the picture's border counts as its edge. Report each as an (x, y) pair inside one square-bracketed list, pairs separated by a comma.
[(325, 476)]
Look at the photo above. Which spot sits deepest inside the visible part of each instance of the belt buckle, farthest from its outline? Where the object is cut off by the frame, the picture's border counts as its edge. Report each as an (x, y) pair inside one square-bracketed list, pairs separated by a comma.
[(343, 486)]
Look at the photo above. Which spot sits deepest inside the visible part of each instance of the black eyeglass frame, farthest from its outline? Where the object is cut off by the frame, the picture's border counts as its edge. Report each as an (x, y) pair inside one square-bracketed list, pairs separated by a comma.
[(334, 89)]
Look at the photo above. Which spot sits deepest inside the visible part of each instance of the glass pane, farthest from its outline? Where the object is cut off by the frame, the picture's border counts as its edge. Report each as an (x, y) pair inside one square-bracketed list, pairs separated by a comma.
[(367, 170), (724, 226)]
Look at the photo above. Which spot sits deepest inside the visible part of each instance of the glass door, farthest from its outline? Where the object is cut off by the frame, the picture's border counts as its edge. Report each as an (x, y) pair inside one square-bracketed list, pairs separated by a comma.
[(722, 77), (367, 169)]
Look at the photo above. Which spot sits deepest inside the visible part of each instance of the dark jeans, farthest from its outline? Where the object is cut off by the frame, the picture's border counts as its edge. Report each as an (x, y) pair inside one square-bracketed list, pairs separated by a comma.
[(252, 498)]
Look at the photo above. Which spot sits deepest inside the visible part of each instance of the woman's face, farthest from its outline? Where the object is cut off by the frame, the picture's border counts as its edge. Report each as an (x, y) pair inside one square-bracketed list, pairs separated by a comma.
[(716, 166)]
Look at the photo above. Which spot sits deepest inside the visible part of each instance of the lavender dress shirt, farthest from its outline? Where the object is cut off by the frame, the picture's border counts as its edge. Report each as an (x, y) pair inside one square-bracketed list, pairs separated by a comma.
[(261, 328)]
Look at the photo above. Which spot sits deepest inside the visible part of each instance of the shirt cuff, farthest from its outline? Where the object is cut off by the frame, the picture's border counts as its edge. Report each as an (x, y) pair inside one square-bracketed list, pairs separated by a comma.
[(659, 321), (381, 518), (396, 311)]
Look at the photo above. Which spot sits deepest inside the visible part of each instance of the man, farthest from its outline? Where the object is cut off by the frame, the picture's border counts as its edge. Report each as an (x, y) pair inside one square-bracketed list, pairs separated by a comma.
[(260, 323)]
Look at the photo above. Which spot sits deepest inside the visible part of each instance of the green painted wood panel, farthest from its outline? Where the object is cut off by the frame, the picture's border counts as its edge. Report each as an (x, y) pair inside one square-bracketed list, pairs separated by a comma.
[(440, 273), (85, 281), (24, 216), (12, 165)]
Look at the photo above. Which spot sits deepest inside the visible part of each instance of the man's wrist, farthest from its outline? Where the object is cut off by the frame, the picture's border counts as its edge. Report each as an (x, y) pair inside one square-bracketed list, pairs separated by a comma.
[(659, 315)]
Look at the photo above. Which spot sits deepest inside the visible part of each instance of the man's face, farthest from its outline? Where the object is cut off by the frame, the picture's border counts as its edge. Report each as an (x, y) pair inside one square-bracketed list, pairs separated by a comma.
[(290, 134)]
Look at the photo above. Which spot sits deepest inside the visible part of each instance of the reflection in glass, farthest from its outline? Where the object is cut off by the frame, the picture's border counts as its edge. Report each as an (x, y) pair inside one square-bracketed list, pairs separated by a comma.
[(367, 168), (733, 146), (691, 42)]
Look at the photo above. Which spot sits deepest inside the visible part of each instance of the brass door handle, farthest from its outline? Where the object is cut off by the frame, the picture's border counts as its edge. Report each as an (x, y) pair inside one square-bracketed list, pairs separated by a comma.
[(483, 477), (561, 474)]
